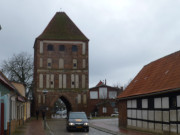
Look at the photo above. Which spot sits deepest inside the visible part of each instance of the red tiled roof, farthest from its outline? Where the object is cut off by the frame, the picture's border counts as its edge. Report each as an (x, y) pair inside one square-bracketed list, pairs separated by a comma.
[(61, 27), (160, 75), (99, 84)]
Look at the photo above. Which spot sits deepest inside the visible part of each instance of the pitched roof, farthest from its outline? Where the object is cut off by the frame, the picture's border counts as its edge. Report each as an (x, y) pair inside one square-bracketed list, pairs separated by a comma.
[(100, 83), (158, 76), (61, 27), (5, 81)]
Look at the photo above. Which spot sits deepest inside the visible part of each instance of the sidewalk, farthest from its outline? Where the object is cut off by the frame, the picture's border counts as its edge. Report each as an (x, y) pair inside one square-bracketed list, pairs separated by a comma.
[(31, 127), (111, 126)]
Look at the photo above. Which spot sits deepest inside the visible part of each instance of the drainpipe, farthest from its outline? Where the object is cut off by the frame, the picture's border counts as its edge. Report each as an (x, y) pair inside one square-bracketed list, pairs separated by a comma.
[(10, 114)]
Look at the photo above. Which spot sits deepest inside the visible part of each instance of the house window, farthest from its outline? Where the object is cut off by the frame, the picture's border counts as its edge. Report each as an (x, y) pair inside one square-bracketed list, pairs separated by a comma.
[(62, 80), (74, 48), (112, 94), (74, 63), (151, 103), (102, 93), (50, 47), (93, 95), (104, 110), (115, 110), (173, 102), (61, 48), (49, 62)]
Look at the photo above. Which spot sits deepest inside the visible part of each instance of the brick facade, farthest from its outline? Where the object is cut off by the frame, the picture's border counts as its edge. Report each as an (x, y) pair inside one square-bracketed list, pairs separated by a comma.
[(109, 104), (122, 106), (61, 67)]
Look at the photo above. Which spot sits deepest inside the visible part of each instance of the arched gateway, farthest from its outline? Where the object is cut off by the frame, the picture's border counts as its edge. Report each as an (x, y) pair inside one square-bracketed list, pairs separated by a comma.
[(61, 66)]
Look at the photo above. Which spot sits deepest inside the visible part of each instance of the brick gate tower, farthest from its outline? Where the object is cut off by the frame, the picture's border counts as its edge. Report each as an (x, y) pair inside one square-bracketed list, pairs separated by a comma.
[(61, 65)]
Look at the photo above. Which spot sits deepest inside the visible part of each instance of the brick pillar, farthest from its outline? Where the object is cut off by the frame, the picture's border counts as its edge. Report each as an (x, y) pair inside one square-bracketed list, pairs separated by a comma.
[(122, 104)]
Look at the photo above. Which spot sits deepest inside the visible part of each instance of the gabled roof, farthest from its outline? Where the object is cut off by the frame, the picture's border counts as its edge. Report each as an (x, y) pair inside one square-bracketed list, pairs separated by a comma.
[(61, 27), (5, 81), (100, 83), (161, 75)]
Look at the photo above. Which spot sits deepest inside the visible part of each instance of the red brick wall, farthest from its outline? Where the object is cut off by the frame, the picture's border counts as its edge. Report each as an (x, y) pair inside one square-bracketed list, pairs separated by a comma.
[(92, 103), (122, 106), (68, 57)]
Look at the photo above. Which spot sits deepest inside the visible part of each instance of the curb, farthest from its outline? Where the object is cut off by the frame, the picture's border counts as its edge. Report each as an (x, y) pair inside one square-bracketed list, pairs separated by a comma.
[(105, 130)]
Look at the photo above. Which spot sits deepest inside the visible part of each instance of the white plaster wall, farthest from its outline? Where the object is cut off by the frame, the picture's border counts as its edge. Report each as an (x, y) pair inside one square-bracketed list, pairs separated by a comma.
[(158, 127), (134, 103), (129, 104), (165, 116), (158, 115), (173, 116), (133, 113), (178, 111), (151, 126), (133, 123), (165, 127), (144, 103), (139, 123), (157, 103), (129, 113), (178, 101), (173, 128), (151, 115), (145, 124), (178, 128), (129, 122), (144, 115), (165, 102), (139, 114)]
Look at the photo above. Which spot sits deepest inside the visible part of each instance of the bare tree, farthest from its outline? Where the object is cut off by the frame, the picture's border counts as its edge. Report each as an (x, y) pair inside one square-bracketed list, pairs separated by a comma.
[(19, 68)]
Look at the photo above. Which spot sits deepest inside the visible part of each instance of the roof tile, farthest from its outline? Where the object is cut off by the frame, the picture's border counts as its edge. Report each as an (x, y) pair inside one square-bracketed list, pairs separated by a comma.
[(160, 75)]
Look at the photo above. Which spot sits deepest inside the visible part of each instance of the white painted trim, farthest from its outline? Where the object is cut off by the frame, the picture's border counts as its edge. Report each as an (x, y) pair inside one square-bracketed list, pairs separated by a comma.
[(64, 42)]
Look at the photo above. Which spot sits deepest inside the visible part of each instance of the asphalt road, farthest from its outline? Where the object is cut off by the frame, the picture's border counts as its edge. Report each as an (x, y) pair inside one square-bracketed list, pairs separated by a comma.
[(57, 127)]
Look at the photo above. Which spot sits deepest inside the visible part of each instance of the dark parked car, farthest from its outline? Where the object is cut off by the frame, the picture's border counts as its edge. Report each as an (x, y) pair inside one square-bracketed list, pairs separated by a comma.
[(77, 121)]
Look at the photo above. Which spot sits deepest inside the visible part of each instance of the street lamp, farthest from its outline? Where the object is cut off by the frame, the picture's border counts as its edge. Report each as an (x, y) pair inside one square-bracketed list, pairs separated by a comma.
[(45, 93)]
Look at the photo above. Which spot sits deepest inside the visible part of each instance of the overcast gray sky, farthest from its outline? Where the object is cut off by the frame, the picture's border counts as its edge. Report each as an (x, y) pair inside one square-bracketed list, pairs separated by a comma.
[(124, 35)]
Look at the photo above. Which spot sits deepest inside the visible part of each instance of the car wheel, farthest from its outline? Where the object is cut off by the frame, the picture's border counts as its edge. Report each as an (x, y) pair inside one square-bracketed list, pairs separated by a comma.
[(67, 129), (86, 129)]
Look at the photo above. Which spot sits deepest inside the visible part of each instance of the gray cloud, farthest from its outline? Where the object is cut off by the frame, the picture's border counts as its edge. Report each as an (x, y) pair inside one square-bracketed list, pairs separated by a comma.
[(124, 35)]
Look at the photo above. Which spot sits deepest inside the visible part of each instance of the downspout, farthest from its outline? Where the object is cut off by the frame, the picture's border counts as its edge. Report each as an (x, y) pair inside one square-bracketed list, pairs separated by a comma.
[(10, 114)]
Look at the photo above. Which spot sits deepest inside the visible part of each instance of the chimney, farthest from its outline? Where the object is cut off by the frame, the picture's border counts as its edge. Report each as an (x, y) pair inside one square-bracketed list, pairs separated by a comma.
[(105, 81)]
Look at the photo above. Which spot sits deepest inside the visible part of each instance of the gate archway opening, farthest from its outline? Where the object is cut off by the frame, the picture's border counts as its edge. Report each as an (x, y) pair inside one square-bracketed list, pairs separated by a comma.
[(61, 108)]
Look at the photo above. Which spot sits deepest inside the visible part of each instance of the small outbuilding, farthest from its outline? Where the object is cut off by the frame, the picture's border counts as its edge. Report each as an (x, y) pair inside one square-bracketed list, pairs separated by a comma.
[(102, 100), (151, 102)]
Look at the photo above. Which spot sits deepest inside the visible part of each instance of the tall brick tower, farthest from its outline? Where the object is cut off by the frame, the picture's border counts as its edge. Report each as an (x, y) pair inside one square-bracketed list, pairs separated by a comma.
[(61, 65)]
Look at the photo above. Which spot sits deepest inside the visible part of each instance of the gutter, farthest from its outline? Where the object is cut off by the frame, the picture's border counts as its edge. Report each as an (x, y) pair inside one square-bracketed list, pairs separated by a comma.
[(150, 94)]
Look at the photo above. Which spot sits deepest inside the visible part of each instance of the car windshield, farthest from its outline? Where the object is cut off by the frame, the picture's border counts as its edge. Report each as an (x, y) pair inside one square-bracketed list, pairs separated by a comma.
[(77, 116)]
